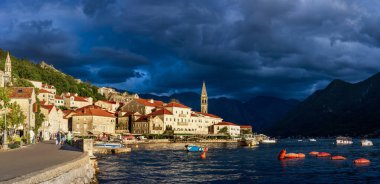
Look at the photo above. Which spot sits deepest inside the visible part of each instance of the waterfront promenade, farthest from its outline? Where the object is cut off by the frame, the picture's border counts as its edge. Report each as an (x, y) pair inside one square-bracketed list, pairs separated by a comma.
[(34, 158)]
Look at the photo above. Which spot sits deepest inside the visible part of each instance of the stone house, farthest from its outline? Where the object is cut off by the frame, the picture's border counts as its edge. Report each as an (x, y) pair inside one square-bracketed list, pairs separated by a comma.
[(47, 96), (26, 98), (58, 101), (232, 129), (125, 119), (246, 129), (73, 101), (110, 106), (142, 106), (94, 120), (54, 121)]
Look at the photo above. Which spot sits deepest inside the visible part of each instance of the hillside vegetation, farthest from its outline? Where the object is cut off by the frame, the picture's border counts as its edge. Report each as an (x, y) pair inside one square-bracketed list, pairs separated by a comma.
[(24, 69)]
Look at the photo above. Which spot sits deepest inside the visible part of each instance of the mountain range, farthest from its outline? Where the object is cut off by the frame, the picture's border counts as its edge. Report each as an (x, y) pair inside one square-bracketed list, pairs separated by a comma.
[(341, 108), (261, 111)]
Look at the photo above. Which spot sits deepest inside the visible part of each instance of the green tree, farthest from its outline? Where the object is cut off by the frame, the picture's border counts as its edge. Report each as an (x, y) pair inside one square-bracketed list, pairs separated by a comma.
[(40, 117), (15, 117), (223, 130), (4, 103)]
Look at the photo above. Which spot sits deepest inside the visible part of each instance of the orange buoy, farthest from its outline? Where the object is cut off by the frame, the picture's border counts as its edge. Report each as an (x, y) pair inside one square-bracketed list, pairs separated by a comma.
[(291, 155), (314, 153), (282, 154), (203, 156), (362, 161), (338, 157), (206, 149), (323, 154), (301, 155)]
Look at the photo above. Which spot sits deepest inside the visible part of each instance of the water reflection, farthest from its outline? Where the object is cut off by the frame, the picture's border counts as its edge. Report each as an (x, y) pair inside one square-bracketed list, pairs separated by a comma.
[(228, 163)]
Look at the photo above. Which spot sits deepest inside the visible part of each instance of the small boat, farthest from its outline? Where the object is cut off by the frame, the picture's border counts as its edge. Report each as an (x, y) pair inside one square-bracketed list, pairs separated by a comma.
[(312, 140), (268, 141), (366, 142), (343, 140), (108, 145), (299, 140), (193, 148)]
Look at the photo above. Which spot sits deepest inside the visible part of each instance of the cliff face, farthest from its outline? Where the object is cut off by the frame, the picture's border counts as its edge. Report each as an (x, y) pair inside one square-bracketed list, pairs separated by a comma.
[(340, 109)]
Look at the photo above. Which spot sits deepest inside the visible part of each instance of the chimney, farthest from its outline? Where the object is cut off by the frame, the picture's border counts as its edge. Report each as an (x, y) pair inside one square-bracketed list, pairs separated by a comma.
[(76, 94), (151, 101)]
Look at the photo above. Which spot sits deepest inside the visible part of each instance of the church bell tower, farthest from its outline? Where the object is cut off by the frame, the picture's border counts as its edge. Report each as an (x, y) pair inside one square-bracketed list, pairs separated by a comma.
[(204, 99), (8, 71)]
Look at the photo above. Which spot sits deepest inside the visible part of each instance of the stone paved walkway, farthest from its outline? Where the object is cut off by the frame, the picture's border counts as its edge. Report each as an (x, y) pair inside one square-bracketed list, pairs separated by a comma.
[(14, 163)]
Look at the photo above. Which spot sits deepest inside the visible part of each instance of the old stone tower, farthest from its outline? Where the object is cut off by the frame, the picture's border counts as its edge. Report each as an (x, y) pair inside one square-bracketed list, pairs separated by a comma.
[(6, 75), (204, 99)]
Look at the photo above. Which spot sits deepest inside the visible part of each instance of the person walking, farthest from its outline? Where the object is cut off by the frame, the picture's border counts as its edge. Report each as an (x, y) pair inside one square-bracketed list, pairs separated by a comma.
[(58, 140)]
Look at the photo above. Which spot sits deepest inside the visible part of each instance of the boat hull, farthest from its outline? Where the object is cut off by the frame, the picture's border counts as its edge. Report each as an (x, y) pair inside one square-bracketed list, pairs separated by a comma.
[(194, 148)]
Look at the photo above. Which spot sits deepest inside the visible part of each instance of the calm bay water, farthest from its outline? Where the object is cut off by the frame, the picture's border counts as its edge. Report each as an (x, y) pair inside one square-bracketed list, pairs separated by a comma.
[(228, 163)]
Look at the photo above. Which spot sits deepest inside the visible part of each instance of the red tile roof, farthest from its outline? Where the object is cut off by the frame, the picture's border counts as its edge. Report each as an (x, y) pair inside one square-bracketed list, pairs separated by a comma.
[(88, 107), (145, 102), (107, 101), (226, 123), (94, 112), (21, 92), (47, 86), (142, 119), (245, 126), (160, 112), (175, 104), (80, 99), (58, 97), (44, 91), (48, 107), (210, 115)]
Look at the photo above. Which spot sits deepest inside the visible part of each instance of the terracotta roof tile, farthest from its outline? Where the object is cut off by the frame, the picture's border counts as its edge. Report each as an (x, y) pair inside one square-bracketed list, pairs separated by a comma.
[(58, 97), (210, 115), (175, 104), (160, 112), (227, 123), (245, 126), (48, 107), (44, 91), (145, 102), (21, 92), (94, 112)]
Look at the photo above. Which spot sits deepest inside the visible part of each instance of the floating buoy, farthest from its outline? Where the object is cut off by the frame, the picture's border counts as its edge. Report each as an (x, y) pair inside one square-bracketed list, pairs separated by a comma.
[(203, 156), (282, 154), (314, 153), (206, 149), (323, 154), (362, 161), (291, 155), (301, 155), (338, 157)]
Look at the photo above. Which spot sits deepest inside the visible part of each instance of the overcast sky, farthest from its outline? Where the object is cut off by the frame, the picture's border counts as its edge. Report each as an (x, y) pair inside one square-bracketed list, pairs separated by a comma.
[(240, 48)]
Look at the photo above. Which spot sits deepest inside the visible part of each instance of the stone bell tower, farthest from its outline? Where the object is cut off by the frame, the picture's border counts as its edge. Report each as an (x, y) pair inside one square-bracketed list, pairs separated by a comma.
[(204, 99), (8, 71)]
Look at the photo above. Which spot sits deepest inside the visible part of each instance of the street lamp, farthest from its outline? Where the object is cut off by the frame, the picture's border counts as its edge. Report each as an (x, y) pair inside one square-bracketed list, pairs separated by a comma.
[(5, 144), (30, 108)]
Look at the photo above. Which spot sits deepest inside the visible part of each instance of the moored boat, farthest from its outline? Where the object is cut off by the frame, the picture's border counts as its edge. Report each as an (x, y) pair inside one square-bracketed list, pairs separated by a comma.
[(312, 140), (366, 142), (193, 148), (343, 140), (268, 141)]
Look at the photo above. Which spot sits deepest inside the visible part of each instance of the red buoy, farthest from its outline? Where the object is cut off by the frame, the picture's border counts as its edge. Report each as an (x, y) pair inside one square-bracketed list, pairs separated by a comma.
[(301, 155), (362, 161), (203, 156), (314, 153), (323, 154), (338, 157), (282, 154), (291, 155)]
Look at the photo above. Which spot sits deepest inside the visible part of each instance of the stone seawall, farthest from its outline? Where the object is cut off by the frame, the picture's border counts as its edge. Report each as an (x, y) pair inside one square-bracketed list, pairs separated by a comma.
[(80, 170)]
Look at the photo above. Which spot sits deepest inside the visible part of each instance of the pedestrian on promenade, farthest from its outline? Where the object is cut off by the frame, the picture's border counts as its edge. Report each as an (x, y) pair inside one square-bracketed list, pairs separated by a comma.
[(69, 138), (58, 141)]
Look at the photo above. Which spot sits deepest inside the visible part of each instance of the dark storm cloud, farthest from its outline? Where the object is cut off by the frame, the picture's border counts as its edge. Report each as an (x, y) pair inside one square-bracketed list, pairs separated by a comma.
[(240, 48)]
